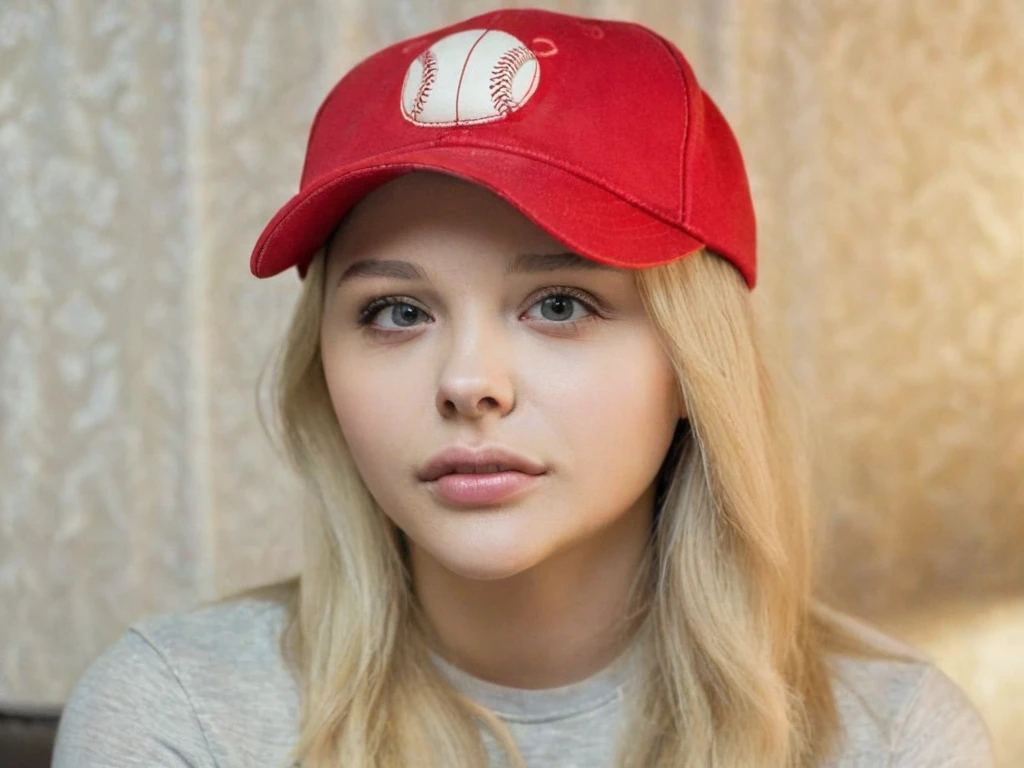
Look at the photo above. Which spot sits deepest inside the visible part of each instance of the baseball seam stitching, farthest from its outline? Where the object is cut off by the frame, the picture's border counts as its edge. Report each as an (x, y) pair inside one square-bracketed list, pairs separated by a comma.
[(504, 72), (429, 61)]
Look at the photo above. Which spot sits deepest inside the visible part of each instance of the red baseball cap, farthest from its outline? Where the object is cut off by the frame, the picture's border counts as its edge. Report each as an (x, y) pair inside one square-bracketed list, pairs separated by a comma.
[(596, 130)]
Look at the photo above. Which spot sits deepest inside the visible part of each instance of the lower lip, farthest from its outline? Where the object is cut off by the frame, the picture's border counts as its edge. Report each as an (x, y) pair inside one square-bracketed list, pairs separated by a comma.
[(478, 490)]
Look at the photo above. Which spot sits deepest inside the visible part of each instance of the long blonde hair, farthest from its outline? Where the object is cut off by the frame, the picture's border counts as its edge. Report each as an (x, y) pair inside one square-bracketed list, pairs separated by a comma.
[(736, 669)]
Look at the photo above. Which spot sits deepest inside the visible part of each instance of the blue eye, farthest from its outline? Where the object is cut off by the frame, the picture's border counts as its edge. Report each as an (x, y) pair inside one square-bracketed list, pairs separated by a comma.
[(404, 312), (408, 312), (562, 304)]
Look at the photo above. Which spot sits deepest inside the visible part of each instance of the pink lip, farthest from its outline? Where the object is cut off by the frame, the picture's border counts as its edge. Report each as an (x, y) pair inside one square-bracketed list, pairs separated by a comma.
[(474, 490), (455, 458)]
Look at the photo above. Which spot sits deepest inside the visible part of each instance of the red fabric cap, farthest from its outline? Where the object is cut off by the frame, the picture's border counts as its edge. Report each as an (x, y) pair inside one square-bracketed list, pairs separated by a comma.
[(596, 130)]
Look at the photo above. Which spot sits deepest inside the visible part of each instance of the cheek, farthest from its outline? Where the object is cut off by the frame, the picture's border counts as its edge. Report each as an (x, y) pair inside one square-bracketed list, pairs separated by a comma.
[(369, 413), (620, 419), (622, 395)]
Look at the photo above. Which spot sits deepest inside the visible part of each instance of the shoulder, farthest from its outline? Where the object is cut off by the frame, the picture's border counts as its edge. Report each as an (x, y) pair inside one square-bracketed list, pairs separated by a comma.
[(174, 689), (222, 644), (904, 711)]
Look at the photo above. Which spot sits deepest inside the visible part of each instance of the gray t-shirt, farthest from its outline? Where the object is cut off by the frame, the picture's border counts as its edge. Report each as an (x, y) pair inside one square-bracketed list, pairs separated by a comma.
[(208, 687)]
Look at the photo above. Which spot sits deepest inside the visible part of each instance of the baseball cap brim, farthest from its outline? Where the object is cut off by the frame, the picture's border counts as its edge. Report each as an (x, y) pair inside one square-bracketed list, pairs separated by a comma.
[(582, 215)]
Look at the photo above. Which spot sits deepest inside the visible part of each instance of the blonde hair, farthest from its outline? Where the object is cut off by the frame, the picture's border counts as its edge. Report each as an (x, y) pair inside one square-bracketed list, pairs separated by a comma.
[(735, 668)]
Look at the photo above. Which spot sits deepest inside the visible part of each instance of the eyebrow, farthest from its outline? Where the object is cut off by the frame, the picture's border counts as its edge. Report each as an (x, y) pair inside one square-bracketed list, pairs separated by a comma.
[(524, 263)]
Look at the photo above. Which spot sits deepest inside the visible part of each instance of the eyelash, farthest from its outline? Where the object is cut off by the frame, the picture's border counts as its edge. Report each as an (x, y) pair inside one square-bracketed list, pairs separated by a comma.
[(373, 306)]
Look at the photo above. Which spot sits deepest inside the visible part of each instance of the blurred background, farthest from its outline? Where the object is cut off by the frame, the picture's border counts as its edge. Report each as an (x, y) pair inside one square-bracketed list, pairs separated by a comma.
[(143, 146)]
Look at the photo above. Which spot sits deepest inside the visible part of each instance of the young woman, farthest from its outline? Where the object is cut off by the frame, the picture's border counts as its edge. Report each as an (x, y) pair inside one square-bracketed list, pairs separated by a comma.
[(559, 508)]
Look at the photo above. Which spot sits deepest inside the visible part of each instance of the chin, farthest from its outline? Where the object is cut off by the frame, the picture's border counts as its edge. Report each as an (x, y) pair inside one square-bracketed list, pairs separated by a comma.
[(482, 563), (484, 572)]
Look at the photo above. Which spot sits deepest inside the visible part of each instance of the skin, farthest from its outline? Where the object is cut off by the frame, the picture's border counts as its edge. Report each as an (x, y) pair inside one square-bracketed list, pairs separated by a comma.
[(524, 594)]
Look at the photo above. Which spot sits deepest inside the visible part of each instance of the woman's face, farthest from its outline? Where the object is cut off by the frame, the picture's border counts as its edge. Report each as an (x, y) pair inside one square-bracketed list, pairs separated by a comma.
[(472, 355)]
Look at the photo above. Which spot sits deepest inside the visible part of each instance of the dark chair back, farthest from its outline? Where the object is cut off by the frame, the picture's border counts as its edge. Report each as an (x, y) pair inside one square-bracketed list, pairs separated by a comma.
[(26, 736)]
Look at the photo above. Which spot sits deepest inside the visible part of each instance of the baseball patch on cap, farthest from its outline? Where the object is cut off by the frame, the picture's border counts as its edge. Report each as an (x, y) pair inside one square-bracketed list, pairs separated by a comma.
[(469, 77)]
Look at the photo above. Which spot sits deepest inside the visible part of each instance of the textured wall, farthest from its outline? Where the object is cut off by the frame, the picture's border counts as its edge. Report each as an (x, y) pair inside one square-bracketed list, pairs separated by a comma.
[(144, 145)]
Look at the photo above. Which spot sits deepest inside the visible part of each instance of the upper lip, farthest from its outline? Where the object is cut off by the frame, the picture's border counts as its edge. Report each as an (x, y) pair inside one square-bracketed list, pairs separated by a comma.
[(462, 458)]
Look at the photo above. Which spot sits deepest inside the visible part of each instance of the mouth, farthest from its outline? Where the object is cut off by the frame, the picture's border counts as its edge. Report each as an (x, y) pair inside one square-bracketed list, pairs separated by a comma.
[(478, 462), (493, 469)]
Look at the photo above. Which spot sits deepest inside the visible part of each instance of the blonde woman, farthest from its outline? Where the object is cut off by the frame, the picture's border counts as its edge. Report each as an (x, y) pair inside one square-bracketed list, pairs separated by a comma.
[(558, 507)]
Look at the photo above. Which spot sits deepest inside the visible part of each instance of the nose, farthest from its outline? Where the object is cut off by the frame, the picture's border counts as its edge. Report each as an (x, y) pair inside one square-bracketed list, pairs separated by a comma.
[(477, 372)]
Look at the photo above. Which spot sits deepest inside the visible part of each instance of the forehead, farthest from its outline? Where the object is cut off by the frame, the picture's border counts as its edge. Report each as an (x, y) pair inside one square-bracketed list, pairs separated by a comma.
[(522, 263)]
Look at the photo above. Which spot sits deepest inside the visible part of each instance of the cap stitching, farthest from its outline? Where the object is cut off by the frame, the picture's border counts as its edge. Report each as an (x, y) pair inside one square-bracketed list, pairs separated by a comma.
[(566, 167), (683, 199)]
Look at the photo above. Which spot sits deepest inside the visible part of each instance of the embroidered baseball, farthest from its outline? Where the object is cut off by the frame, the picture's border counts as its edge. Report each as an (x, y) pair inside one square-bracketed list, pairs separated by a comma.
[(472, 76)]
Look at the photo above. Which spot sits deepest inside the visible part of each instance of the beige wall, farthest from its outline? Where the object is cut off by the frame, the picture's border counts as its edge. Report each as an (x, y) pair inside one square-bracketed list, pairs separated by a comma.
[(145, 144)]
